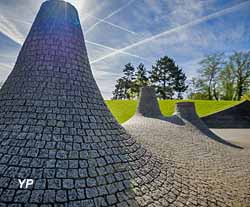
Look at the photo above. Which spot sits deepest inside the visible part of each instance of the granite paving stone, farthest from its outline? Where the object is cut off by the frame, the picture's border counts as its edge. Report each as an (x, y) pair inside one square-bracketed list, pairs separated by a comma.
[(56, 129)]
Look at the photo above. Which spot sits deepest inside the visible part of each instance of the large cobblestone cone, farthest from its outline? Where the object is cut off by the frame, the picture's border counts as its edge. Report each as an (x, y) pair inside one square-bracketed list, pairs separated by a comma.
[(56, 129)]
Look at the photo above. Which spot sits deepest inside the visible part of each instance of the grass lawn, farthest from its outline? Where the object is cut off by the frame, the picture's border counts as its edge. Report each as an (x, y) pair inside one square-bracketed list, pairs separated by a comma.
[(124, 109)]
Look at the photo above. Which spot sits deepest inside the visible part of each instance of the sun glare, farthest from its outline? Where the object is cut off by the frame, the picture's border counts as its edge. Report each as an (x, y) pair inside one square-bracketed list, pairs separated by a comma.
[(76, 3)]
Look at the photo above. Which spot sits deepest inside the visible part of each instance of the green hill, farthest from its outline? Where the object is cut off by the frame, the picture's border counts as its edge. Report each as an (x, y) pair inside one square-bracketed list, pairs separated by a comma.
[(124, 109)]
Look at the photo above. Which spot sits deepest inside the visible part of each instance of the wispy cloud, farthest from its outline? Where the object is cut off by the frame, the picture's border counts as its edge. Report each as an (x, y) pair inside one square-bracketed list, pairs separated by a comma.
[(137, 31), (113, 49), (16, 19), (177, 29), (16, 37), (110, 15), (5, 66), (114, 25), (7, 56), (10, 30), (85, 12)]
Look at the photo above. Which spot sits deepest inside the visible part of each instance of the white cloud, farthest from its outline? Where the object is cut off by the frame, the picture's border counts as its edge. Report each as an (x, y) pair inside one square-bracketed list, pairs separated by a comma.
[(142, 32), (176, 29), (110, 15), (9, 29), (114, 25), (113, 49)]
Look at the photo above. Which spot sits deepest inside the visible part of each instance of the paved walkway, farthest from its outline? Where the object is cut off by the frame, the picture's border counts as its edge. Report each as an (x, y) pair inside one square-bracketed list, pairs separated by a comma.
[(213, 173), (240, 136)]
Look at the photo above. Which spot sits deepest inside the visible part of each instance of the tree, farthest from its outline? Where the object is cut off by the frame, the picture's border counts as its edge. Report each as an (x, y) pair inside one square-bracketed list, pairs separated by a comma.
[(167, 78), (226, 77), (128, 78), (179, 82), (124, 88), (197, 89), (161, 77), (227, 82), (240, 64), (209, 73), (119, 92), (141, 78)]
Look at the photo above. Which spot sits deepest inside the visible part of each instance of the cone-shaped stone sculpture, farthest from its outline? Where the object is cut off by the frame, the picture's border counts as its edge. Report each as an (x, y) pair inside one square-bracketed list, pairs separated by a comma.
[(234, 117), (148, 105), (56, 129), (186, 112)]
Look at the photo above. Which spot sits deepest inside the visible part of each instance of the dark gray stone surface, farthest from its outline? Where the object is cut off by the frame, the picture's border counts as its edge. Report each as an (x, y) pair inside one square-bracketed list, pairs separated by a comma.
[(234, 117), (148, 105), (56, 129), (186, 112)]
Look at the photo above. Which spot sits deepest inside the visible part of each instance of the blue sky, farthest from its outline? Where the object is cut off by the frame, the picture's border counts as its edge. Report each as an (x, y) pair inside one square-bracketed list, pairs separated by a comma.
[(122, 31)]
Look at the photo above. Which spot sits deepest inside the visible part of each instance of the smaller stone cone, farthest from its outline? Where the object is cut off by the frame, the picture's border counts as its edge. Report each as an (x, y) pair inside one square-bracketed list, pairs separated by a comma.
[(148, 105), (187, 113)]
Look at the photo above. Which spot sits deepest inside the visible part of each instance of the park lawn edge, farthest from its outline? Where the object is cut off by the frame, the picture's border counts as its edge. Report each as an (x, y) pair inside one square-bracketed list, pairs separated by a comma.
[(123, 110)]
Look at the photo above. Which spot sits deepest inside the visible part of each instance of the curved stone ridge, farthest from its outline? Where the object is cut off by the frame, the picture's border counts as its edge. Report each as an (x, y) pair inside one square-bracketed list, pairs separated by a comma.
[(186, 112), (234, 117), (148, 105), (205, 161)]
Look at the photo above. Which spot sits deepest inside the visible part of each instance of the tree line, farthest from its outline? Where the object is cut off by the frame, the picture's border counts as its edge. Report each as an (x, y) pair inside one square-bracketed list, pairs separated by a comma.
[(165, 76), (222, 77)]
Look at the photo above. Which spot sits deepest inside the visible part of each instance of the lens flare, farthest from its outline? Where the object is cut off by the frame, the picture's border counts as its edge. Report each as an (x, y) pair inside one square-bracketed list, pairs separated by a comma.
[(76, 3)]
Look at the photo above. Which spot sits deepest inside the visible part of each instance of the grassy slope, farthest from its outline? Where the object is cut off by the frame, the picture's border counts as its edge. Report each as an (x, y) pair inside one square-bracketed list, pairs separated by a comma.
[(124, 109)]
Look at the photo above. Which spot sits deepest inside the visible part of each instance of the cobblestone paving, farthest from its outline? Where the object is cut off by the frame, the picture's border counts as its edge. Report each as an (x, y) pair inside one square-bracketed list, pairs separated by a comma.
[(213, 172), (56, 129)]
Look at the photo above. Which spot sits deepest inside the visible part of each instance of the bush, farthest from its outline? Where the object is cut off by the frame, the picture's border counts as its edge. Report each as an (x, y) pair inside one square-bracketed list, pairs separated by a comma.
[(245, 97)]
